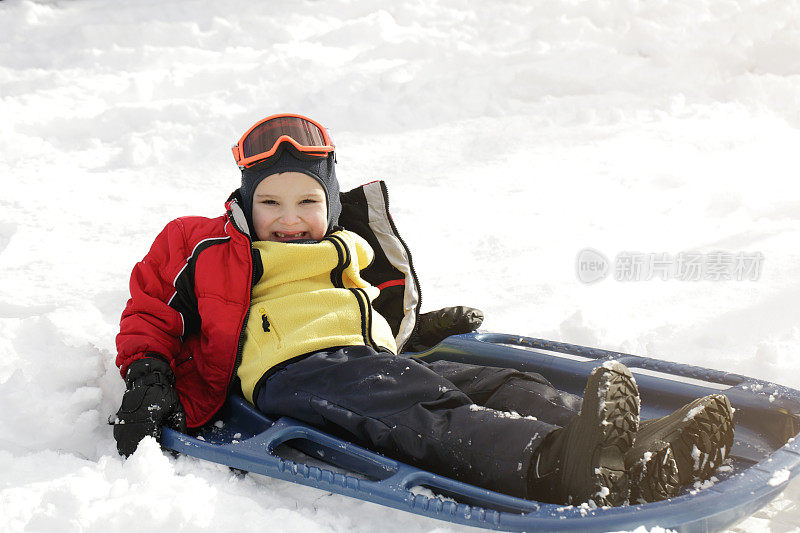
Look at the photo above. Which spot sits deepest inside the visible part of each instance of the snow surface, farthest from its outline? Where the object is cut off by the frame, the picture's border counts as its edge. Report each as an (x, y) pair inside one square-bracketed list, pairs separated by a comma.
[(513, 135), (779, 476)]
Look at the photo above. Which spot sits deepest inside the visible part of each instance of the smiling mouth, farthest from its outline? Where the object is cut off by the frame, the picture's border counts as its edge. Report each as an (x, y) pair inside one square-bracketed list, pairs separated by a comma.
[(286, 236)]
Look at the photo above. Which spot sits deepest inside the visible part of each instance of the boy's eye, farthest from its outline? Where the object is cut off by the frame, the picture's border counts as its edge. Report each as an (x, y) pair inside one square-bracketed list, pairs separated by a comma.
[(270, 202), (310, 201)]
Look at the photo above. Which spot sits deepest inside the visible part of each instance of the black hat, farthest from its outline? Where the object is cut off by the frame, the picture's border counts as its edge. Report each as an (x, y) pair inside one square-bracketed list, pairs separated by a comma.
[(322, 169)]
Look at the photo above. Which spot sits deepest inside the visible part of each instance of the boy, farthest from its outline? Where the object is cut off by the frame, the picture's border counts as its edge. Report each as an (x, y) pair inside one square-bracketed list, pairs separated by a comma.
[(277, 301)]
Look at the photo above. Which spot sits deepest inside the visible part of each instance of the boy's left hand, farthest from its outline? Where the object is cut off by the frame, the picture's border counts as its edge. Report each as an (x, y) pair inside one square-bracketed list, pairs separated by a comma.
[(435, 326), (150, 401)]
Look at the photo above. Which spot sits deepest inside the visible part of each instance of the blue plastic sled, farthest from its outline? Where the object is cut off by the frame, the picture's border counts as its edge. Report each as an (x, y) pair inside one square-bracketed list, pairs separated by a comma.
[(765, 456)]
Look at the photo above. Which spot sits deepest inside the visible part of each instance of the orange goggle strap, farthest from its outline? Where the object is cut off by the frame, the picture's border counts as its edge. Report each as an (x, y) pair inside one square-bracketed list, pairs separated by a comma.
[(264, 138)]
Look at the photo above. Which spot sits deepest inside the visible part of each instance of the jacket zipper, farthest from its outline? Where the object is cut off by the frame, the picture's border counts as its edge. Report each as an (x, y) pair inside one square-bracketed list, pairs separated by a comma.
[(240, 347), (385, 192)]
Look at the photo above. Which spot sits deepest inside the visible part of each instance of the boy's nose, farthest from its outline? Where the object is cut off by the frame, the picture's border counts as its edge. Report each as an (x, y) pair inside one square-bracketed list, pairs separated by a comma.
[(289, 216)]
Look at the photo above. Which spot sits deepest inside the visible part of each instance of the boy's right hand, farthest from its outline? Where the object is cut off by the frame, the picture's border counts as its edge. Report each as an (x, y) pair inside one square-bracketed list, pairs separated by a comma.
[(150, 402), (434, 326)]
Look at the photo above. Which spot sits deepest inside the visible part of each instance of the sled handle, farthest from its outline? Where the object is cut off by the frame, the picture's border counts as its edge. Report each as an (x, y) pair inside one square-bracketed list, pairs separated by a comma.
[(390, 477), (368, 475)]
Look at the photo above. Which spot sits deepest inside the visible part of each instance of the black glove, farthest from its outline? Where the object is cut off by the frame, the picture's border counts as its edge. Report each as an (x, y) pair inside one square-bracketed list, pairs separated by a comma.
[(434, 326), (149, 403)]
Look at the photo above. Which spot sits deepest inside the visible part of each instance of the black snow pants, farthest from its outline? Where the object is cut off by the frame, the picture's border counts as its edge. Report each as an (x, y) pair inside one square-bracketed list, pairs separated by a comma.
[(480, 425)]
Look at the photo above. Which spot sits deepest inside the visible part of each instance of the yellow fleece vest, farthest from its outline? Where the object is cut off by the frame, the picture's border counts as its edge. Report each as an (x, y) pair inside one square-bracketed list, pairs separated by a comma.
[(310, 297)]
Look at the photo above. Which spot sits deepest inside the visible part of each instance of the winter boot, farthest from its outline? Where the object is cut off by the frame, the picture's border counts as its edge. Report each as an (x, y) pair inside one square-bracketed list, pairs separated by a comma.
[(699, 435), (652, 470), (585, 460)]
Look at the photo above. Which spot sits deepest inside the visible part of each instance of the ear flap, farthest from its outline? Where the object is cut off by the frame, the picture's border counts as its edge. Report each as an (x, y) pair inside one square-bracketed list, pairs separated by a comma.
[(237, 213)]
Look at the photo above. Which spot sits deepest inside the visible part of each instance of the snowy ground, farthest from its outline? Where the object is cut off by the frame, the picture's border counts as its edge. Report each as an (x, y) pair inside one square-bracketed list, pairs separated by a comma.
[(513, 134)]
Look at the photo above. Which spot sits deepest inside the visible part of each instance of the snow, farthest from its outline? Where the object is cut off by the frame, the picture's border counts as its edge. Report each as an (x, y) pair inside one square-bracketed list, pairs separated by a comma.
[(779, 476), (419, 490), (513, 136), (703, 484), (500, 414), (693, 412)]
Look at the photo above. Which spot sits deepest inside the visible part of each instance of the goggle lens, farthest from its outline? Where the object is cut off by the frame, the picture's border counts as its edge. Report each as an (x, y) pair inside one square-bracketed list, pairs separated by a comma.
[(262, 140)]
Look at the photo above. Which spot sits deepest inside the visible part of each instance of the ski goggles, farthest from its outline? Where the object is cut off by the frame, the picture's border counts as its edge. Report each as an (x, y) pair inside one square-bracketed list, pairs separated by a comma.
[(265, 139)]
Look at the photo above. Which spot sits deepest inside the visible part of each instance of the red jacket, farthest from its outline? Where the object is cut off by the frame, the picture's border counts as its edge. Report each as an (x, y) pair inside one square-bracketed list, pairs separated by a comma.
[(190, 296)]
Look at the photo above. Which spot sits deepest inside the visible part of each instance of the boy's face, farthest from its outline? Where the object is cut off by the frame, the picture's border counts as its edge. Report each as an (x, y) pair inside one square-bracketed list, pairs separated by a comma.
[(289, 206)]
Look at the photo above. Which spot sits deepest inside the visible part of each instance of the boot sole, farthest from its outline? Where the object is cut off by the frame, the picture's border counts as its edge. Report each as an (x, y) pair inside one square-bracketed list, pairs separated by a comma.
[(700, 435), (706, 438), (616, 404), (655, 476)]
